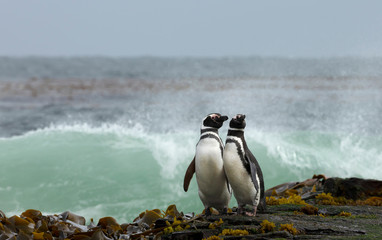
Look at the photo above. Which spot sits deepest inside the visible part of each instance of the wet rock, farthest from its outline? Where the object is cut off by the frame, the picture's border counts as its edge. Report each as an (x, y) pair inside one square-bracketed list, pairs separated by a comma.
[(73, 217)]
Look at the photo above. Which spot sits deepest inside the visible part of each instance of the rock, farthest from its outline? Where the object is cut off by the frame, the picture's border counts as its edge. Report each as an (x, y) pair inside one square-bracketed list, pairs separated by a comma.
[(277, 234), (110, 225), (148, 218), (107, 221), (309, 210), (330, 231), (306, 221), (35, 215), (185, 235), (306, 189), (21, 224), (73, 217), (353, 188), (99, 235), (234, 219), (2, 214), (365, 221)]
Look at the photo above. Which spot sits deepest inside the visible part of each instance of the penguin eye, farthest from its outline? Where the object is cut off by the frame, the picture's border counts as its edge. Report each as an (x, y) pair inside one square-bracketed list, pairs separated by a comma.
[(214, 116)]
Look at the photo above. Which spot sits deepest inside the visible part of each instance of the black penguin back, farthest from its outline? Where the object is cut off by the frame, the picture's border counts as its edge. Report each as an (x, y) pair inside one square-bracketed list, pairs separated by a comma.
[(262, 205)]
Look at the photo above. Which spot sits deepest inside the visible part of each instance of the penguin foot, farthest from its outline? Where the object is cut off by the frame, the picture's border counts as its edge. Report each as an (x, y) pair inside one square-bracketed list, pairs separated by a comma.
[(242, 211), (251, 214)]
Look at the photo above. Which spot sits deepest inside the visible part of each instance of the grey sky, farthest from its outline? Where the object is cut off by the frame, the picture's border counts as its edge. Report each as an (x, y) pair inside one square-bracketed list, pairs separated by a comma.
[(191, 28)]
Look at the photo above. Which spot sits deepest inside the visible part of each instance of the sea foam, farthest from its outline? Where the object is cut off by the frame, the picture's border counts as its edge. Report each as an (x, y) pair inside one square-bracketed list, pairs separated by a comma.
[(120, 170)]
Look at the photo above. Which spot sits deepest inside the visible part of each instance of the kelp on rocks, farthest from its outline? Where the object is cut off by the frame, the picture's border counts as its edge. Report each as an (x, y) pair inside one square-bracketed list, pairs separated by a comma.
[(293, 207), (327, 191), (32, 224)]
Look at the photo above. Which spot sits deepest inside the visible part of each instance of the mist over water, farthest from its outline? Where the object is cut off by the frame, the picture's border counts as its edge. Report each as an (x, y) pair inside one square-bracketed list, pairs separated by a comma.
[(102, 136)]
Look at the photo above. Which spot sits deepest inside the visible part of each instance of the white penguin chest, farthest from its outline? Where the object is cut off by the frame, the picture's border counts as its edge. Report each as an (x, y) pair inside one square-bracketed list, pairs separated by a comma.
[(239, 178), (208, 156), (232, 162)]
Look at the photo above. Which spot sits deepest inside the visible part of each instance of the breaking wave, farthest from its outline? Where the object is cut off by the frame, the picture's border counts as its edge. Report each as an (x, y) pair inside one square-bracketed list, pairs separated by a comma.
[(117, 170)]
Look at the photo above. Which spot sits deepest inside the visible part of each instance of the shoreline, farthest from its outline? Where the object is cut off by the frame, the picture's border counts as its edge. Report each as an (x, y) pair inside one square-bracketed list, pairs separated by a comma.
[(293, 213)]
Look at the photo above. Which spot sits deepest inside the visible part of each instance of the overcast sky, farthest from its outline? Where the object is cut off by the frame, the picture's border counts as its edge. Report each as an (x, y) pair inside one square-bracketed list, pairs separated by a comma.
[(290, 28)]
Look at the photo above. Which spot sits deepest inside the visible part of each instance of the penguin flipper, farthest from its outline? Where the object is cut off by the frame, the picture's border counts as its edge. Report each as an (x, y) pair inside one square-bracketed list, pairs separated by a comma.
[(228, 185), (253, 169), (263, 204), (188, 176)]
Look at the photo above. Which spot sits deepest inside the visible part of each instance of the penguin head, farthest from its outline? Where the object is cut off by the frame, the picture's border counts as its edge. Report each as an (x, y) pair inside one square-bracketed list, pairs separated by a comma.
[(214, 120), (238, 122)]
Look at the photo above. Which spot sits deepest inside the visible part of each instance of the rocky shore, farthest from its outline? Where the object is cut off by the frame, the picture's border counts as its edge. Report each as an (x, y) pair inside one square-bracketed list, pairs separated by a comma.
[(329, 208)]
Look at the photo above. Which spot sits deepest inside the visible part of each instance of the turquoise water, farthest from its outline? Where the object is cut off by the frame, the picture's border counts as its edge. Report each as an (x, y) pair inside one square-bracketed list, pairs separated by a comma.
[(118, 146), (117, 171)]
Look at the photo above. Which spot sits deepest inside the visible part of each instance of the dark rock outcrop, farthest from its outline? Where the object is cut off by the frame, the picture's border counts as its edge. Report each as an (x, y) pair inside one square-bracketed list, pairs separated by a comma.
[(353, 188)]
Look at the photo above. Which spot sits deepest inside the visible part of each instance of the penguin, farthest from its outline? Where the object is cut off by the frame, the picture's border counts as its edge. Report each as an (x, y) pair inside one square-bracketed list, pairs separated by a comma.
[(213, 187), (242, 169)]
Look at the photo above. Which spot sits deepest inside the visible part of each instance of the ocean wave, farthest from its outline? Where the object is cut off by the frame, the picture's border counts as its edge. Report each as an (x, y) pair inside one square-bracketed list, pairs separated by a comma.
[(333, 154), (99, 170), (167, 148), (298, 151)]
